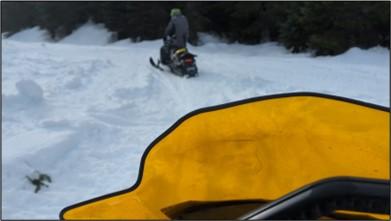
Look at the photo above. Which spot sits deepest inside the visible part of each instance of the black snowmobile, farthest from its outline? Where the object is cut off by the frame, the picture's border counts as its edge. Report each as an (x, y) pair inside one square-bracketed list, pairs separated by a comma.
[(180, 61)]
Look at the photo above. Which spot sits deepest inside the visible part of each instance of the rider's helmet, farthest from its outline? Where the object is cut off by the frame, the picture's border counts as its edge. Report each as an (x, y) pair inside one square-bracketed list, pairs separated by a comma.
[(175, 12)]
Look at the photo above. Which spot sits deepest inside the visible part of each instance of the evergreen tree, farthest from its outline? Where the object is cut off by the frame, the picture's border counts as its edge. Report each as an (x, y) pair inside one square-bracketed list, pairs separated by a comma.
[(323, 27), (16, 16)]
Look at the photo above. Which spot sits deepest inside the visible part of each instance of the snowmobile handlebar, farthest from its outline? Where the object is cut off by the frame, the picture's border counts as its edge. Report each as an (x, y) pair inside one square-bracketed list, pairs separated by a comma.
[(167, 40)]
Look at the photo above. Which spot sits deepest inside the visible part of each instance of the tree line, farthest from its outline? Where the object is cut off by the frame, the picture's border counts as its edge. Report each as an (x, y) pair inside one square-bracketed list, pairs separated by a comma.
[(326, 28)]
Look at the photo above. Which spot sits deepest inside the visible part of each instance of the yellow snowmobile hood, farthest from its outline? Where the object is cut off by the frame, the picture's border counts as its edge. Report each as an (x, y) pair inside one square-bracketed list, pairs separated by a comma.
[(254, 149)]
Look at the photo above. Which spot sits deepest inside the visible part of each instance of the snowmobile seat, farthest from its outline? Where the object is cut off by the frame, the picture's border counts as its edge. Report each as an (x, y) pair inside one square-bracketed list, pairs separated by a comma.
[(224, 161)]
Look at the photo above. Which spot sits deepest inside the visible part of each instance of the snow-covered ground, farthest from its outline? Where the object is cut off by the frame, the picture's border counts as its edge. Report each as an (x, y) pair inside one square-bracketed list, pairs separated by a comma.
[(83, 110)]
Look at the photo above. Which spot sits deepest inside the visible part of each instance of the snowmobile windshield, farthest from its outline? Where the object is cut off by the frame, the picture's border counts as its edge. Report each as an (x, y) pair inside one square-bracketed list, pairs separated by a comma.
[(250, 152)]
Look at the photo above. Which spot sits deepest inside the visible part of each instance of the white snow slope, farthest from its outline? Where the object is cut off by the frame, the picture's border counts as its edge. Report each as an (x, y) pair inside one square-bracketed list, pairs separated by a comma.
[(85, 114)]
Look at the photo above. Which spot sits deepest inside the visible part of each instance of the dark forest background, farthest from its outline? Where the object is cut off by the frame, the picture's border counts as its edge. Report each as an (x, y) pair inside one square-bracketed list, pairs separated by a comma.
[(327, 28)]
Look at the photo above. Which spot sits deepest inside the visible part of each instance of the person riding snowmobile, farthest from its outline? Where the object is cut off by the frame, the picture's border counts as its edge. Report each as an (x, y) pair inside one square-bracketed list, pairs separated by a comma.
[(175, 36), (177, 29)]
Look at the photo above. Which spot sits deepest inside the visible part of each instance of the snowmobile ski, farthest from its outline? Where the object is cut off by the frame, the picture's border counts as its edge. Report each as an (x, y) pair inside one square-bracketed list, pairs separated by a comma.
[(155, 65)]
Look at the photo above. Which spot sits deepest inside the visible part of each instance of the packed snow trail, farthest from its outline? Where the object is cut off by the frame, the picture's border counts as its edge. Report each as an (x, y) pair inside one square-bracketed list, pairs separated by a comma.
[(85, 113)]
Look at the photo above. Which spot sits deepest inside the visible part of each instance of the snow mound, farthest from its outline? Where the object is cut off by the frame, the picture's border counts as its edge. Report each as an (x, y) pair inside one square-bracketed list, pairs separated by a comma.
[(35, 34), (30, 90), (29, 95), (89, 34), (206, 38), (374, 56)]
